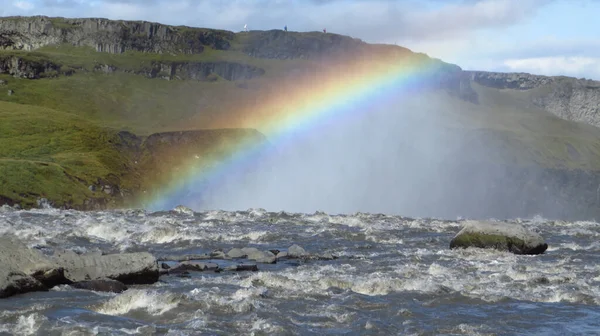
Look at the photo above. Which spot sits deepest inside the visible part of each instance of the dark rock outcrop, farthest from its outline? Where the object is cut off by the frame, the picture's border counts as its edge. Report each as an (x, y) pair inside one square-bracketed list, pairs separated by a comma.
[(566, 97), (277, 44), (501, 236), (101, 285), (30, 68)]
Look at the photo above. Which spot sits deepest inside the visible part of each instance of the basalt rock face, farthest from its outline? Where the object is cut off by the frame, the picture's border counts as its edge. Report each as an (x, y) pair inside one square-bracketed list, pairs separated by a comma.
[(30, 33), (277, 44), (566, 97), (30, 68)]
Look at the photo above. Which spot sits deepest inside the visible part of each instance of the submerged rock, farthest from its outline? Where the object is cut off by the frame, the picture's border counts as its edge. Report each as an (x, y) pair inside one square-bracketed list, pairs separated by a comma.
[(194, 266), (129, 268), (101, 285), (502, 236)]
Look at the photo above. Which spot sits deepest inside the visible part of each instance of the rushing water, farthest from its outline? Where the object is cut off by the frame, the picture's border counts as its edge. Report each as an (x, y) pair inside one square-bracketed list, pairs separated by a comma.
[(394, 276)]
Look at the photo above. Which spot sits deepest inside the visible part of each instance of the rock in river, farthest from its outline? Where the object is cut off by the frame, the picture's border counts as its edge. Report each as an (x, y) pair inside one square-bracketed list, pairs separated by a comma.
[(101, 285), (128, 268), (502, 236), (26, 270)]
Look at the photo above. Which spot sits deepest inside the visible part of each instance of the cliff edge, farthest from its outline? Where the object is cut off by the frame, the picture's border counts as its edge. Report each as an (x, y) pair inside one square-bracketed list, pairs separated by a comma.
[(566, 97)]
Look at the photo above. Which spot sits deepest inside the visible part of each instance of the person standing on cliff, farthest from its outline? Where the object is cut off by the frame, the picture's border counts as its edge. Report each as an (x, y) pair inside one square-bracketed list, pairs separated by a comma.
[(325, 30), (285, 28), (246, 27)]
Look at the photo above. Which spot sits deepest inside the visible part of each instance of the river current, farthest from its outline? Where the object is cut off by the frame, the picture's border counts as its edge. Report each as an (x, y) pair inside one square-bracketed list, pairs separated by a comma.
[(393, 276)]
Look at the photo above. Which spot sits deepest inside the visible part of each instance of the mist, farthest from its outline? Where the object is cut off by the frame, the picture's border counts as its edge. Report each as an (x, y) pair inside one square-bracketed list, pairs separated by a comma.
[(404, 154), (382, 156)]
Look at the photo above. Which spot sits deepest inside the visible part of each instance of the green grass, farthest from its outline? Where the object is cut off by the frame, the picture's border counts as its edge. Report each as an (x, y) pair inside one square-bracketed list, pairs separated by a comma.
[(58, 134), (46, 153)]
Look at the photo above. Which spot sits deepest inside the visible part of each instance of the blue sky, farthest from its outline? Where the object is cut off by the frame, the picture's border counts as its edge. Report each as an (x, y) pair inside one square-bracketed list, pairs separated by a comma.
[(551, 37)]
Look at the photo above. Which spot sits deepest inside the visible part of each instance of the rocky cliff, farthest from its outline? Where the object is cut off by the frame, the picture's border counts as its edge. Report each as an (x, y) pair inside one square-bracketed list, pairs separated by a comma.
[(566, 97), (30, 33)]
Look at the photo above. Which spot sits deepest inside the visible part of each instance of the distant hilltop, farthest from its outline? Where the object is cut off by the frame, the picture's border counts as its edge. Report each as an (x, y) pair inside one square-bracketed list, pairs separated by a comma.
[(104, 35), (568, 98)]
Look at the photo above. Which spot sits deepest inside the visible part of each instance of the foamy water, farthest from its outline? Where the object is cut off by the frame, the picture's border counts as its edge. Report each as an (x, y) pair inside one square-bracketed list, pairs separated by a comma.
[(394, 275)]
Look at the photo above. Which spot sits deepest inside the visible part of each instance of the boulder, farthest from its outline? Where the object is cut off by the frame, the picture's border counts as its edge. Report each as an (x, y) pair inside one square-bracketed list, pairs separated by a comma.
[(13, 283), (502, 236), (296, 251), (266, 257), (101, 285), (128, 268), (236, 253), (25, 270)]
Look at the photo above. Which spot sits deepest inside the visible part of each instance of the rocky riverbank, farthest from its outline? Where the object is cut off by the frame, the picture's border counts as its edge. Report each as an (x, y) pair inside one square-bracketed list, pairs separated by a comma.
[(28, 270)]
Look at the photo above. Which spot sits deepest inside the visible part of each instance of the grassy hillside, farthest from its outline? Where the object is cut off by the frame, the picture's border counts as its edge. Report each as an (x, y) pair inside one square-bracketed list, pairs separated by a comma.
[(57, 155), (60, 133)]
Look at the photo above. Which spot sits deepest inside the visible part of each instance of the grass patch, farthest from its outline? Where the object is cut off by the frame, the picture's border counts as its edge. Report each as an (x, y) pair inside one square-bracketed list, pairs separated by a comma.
[(57, 155)]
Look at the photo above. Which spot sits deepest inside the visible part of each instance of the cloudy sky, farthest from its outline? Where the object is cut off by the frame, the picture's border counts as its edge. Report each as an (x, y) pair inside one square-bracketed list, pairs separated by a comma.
[(552, 37)]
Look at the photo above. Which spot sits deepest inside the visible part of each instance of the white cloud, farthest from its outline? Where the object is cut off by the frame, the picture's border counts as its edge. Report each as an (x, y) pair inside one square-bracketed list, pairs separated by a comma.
[(588, 67), (24, 5)]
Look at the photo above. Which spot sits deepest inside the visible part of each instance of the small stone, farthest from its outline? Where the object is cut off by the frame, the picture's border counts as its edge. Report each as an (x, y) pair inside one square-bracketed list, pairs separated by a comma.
[(327, 256), (10, 92), (217, 254), (2, 82), (92, 188), (242, 268), (296, 251), (165, 266)]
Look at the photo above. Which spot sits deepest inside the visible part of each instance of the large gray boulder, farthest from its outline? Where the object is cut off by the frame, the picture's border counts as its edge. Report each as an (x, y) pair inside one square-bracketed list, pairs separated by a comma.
[(502, 236), (25, 270), (128, 268)]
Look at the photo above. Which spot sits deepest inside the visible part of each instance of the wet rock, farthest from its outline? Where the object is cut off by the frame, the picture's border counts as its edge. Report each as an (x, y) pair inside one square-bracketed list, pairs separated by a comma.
[(236, 253), (14, 283), (164, 266), (217, 254), (296, 251), (129, 268), (250, 250), (186, 257), (502, 236), (194, 266), (282, 254), (263, 257), (242, 268), (101, 285), (326, 256), (275, 252), (25, 270)]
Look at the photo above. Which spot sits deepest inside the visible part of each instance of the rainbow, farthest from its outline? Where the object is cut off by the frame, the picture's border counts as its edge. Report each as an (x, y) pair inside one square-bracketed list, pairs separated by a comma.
[(300, 107)]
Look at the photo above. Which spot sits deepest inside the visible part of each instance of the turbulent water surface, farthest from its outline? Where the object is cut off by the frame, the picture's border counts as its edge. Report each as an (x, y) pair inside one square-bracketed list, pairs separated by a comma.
[(393, 276)]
